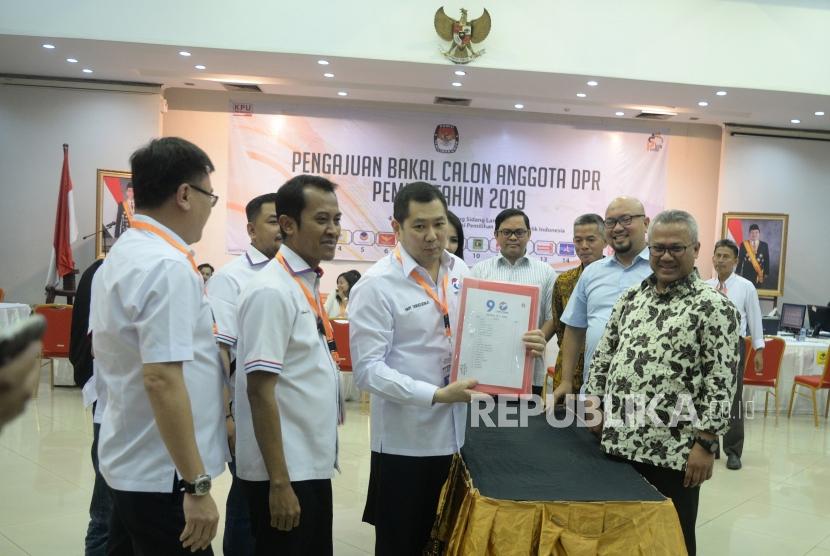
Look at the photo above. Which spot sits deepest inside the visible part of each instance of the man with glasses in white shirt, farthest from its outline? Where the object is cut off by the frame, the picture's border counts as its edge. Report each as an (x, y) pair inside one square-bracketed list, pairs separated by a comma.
[(742, 293), (403, 315), (162, 436), (512, 264), (287, 399), (601, 284)]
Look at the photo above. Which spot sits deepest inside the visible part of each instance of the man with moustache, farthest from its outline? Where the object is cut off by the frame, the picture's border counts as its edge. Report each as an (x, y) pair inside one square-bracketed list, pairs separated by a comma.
[(601, 284), (589, 240), (403, 316), (742, 293), (669, 347), (287, 400), (223, 292)]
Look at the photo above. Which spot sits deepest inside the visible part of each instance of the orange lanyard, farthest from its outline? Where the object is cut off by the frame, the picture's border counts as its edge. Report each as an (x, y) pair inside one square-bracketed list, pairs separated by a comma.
[(322, 316), (140, 225), (441, 306)]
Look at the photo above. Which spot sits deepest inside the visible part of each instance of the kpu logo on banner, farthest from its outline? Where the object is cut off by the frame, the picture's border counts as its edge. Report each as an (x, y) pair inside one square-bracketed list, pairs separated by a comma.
[(446, 138)]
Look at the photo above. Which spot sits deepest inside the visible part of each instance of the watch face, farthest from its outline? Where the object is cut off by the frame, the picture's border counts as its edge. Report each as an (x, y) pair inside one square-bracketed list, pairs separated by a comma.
[(202, 485)]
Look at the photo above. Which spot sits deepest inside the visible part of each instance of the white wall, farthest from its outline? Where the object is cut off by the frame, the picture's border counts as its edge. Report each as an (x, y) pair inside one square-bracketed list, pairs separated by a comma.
[(758, 44), (102, 130), (201, 117), (789, 176)]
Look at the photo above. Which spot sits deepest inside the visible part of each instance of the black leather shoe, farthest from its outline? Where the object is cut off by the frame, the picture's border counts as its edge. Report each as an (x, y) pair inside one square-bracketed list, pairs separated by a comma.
[(733, 462)]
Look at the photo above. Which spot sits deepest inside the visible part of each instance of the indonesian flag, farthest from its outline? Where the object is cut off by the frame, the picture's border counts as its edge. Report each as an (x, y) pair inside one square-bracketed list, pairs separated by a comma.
[(734, 231), (66, 229)]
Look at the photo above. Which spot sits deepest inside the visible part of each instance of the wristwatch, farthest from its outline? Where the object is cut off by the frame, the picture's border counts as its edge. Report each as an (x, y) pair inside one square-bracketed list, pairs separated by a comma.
[(711, 446), (198, 487)]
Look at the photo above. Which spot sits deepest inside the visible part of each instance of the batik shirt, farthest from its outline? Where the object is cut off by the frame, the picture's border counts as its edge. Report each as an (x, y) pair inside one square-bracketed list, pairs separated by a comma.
[(562, 290), (675, 352)]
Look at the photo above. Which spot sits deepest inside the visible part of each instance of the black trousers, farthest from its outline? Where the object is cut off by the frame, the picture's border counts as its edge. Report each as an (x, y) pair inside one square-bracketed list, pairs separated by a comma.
[(312, 536), (670, 484), (402, 501), (147, 524), (733, 440)]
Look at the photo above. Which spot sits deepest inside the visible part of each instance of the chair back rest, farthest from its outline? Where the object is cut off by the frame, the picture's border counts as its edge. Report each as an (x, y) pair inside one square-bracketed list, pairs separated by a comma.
[(2, 294), (58, 325), (340, 328), (773, 355)]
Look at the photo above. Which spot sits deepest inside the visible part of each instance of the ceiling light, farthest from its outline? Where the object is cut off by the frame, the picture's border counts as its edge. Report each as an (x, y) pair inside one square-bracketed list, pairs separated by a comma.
[(721, 93), (184, 53), (328, 75), (199, 67), (703, 103), (795, 121), (518, 106), (342, 93), (819, 113), (581, 95), (323, 62), (72, 60), (48, 46), (456, 84), (460, 73), (592, 83), (619, 113), (86, 70)]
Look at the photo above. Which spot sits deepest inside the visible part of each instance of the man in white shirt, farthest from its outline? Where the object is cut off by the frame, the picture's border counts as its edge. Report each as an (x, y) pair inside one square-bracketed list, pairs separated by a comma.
[(287, 388), (223, 292), (743, 294), (601, 285), (162, 434), (403, 313), (512, 264)]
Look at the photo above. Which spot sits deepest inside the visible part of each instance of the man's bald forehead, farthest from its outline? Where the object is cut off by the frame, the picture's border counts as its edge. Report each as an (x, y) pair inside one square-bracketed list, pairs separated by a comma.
[(629, 205)]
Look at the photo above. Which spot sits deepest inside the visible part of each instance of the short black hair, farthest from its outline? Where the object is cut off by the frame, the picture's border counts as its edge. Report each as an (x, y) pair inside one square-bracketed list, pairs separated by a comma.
[(290, 197), (418, 191), (726, 243), (255, 205), (162, 165), (456, 223), (591, 218), (351, 277), (754, 227), (208, 265), (508, 213)]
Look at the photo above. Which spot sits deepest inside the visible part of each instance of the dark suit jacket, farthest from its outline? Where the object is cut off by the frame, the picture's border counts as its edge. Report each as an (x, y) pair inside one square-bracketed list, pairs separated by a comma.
[(745, 267), (80, 343)]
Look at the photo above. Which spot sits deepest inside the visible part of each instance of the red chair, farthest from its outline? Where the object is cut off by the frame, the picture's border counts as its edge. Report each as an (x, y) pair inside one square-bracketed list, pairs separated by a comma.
[(56, 338), (2, 294), (768, 380), (340, 328), (814, 383)]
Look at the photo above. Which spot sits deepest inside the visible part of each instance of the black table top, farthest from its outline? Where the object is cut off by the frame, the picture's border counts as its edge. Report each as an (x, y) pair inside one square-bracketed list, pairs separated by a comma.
[(543, 463)]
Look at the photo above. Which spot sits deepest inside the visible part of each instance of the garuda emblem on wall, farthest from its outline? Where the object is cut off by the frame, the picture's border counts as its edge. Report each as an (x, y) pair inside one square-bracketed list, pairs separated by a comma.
[(462, 34)]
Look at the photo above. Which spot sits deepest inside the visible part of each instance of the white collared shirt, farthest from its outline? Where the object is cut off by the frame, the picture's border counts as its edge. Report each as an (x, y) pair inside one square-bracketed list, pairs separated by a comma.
[(525, 270), (602, 283), (223, 292), (401, 354), (148, 306), (743, 294), (278, 334)]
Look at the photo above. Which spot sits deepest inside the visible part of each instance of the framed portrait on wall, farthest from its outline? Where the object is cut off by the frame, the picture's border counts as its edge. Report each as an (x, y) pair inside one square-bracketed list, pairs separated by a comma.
[(762, 248), (115, 208)]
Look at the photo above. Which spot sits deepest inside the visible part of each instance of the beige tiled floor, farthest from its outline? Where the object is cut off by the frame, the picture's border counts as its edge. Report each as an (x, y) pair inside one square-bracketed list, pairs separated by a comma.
[(779, 503)]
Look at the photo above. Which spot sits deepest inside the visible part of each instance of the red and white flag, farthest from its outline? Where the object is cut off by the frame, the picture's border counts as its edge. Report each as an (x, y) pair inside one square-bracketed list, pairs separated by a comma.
[(734, 231), (66, 229)]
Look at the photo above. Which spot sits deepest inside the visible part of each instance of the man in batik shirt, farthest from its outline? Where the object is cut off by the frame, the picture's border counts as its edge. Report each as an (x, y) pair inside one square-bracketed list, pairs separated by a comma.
[(664, 370)]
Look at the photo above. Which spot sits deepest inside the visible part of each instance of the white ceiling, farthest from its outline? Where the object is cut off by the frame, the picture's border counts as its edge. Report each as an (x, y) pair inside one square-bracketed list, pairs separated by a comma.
[(408, 83)]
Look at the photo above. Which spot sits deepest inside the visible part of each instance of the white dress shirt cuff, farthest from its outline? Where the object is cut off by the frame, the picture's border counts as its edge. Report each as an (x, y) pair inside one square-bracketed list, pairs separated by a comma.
[(424, 394)]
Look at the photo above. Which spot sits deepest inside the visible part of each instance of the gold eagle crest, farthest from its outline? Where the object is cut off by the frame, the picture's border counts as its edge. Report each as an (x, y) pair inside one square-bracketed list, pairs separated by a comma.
[(462, 34)]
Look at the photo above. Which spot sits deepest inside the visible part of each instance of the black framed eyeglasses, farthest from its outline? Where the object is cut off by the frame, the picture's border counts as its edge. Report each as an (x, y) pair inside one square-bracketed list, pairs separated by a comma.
[(624, 220), (520, 233), (213, 198), (673, 250)]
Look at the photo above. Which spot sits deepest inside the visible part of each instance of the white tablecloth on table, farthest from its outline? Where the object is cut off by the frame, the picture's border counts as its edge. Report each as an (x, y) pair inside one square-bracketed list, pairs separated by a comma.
[(799, 359), (10, 313)]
